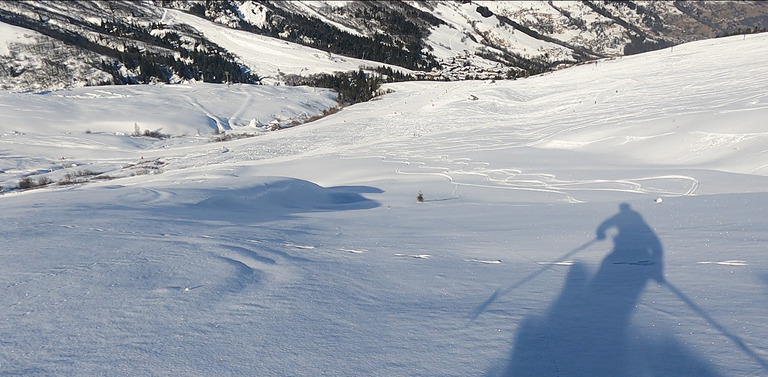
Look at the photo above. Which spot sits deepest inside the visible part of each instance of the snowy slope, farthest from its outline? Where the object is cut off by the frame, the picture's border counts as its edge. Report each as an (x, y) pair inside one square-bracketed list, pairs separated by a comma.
[(462, 20), (304, 252), (269, 56), (10, 34), (62, 131)]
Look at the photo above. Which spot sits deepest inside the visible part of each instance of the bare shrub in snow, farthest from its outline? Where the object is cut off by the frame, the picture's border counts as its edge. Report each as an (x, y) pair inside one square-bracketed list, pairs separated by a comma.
[(26, 183), (44, 181)]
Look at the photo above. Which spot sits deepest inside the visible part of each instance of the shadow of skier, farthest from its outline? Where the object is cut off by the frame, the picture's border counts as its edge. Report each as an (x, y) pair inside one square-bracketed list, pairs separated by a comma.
[(587, 330), (635, 244)]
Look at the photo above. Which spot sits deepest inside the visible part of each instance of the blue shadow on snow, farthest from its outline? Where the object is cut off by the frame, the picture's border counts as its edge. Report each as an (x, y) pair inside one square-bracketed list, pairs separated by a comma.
[(274, 199), (587, 330)]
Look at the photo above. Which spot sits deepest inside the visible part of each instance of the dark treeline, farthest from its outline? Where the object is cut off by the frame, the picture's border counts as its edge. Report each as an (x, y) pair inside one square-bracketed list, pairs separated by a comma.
[(352, 87), (202, 61)]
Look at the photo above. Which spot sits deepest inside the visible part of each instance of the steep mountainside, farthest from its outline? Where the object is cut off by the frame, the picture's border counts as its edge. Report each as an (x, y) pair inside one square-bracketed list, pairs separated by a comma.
[(50, 45)]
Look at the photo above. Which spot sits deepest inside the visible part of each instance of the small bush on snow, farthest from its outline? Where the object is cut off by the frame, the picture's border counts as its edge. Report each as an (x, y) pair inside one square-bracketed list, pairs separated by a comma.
[(26, 183)]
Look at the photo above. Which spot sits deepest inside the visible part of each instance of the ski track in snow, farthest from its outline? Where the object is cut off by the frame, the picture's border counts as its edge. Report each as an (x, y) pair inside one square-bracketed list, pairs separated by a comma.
[(215, 119), (463, 172), (547, 183)]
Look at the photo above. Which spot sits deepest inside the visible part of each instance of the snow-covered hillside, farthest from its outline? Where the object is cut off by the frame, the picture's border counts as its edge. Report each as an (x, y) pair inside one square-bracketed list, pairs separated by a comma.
[(68, 44), (304, 252), (271, 57), (67, 133)]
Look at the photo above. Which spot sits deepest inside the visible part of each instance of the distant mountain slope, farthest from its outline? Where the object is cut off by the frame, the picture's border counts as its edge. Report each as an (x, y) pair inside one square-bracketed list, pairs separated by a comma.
[(63, 44)]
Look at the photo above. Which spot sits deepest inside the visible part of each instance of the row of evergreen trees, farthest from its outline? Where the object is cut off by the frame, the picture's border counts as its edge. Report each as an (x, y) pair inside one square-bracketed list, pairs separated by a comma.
[(352, 87), (213, 67), (167, 56)]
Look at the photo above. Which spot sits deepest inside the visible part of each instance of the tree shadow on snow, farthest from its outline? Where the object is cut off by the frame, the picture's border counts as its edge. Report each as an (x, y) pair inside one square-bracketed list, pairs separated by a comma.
[(587, 330)]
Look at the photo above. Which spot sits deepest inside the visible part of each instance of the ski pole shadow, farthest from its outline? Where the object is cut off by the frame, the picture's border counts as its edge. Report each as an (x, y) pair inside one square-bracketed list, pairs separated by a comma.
[(502, 291), (587, 330)]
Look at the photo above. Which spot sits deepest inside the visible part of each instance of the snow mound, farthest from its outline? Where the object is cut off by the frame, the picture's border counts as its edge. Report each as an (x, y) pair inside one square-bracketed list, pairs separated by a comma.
[(289, 193)]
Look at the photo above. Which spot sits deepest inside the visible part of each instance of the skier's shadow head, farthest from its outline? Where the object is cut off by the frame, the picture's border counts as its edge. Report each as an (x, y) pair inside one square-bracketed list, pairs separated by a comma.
[(634, 244)]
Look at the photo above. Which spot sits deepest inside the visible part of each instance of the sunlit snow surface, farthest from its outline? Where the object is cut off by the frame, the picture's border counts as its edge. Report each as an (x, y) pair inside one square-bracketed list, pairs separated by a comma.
[(305, 252)]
